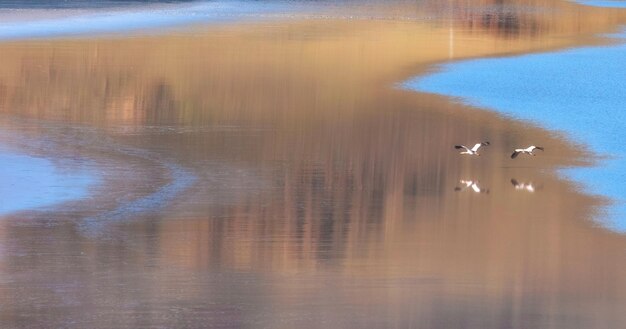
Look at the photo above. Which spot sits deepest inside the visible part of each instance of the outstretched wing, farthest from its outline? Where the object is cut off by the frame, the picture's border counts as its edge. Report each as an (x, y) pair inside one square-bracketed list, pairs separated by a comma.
[(538, 147), (475, 188), (477, 146), (461, 147), (514, 155), (514, 182)]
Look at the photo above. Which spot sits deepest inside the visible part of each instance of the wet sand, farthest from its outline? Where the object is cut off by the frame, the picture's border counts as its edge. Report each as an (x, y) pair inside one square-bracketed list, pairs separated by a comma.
[(577, 93), (323, 196)]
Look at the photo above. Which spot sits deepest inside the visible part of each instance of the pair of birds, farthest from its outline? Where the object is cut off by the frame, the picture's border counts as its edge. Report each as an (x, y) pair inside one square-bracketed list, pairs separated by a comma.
[(474, 150), (472, 184)]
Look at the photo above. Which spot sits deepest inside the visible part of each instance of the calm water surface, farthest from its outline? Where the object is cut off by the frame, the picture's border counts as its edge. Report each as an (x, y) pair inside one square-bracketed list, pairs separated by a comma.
[(577, 92), (117, 17), (22, 175), (270, 175)]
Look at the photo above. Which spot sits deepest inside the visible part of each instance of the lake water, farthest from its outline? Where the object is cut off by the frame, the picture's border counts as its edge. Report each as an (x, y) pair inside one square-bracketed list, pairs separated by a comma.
[(578, 93), (31, 182), (112, 18), (267, 173), (609, 4)]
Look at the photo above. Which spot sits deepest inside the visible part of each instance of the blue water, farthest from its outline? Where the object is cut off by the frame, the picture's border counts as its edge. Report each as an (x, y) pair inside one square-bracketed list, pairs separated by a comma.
[(56, 4), (30, 182), (604, 3), (580, 92), (136, 18)]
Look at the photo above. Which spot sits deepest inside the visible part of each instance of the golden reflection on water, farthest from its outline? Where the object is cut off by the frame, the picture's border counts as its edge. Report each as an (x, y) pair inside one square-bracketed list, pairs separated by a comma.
[(324, 197)]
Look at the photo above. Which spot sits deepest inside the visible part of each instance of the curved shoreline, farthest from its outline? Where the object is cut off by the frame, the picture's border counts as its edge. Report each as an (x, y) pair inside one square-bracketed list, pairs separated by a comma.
[(105, 192), (180, 179), (527, 84), (522, 50), (312, 172), (85, 22)]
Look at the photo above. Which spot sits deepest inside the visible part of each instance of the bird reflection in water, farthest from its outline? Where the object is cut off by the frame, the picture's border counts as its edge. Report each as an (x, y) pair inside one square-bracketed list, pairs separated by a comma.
[(470, 185), (522, 186)]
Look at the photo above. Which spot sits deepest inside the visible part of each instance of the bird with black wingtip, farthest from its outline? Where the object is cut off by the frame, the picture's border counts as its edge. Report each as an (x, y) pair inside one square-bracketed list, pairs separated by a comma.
[(529, 150), (470, 151)]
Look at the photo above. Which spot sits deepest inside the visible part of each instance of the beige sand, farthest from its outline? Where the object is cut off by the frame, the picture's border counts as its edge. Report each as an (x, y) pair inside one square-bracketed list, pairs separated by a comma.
[(346, 203)]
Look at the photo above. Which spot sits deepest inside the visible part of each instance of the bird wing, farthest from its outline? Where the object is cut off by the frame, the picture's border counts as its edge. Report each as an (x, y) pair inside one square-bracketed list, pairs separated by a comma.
[(539, 148), (476, 147), (465, 184), (461, 147), (514, 155), (514, 182), (475, 188)]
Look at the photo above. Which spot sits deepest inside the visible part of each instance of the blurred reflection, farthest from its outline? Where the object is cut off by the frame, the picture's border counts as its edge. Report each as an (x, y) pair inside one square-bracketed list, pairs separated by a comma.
[(267, 175), (470, 185), (522, 186), (517, 19)]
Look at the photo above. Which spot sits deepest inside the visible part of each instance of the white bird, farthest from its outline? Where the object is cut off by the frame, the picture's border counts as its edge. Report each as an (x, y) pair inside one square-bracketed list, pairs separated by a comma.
[(529, 150), (471, 184), (523, 186), (471, 151)]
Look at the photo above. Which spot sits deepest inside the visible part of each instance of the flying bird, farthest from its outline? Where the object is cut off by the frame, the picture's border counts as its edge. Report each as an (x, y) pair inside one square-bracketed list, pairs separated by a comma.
[(529, 150), (470, 151), (472, 185), (523, 186)]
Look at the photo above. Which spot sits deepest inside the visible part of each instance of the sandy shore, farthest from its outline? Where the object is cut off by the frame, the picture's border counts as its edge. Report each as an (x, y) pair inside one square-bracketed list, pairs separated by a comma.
[(575, 93), (325, 195)]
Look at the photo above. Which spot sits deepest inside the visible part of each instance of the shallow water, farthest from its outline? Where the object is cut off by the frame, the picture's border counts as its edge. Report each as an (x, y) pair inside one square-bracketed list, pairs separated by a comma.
[(269, 174), (599, 3), (109, 19), (579, 93), (30, 182)]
